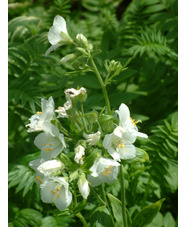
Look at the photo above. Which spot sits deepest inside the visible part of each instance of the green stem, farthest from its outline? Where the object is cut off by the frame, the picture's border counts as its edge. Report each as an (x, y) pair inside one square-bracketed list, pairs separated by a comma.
[(123, 199), (106, 201), (80, 216), (83, 119), (97, 196), (101, 83)]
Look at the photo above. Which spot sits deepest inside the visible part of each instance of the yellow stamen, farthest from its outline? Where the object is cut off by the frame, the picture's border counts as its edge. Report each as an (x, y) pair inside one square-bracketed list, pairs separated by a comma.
[(39, 112), (50, 144), (39, 179), (48, 140), (47, 149), (107, 171), (58, 189), (53, 192), (59, 107), (45, 144)]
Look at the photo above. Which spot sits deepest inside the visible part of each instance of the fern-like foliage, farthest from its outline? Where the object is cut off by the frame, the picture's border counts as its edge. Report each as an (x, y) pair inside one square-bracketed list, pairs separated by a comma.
[(22, 178), (162, 148), (151, 42)]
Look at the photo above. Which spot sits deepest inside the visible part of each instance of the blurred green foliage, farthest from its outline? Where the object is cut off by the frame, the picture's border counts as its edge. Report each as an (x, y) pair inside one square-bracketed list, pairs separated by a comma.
[(142, 29)]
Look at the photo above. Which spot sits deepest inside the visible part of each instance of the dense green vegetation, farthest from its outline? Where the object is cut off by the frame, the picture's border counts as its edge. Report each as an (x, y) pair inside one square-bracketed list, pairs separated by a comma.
[(141, 31)]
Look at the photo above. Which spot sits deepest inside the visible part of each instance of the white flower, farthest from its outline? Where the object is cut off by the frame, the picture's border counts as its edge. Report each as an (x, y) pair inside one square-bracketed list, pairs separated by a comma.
[(61, 112), (128, 124), (41, 120), (119, 146), (83, 186), (58, 34), (72, 93), (79, 154), (55, 190), (103, 170), (92, 139), (49, 167), (50, 143)]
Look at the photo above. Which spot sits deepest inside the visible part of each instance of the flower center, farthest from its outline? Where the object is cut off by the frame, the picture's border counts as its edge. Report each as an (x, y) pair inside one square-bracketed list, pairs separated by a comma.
[(56, 191), (119, 144), (39, 113), (47, 145), (107, 171)]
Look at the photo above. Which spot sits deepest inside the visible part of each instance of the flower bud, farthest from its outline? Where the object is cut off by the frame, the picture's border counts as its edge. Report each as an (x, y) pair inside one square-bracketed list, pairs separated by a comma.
[(92, 139), (79, 154), (82, 41), (68, 58), (83, 186)]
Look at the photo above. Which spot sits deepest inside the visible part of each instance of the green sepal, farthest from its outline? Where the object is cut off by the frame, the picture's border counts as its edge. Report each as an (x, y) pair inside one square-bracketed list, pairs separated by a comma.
[(82, 51), (141, 156), (117, 210), (146, 215), (74, 175), (67, 162), (65, 39)]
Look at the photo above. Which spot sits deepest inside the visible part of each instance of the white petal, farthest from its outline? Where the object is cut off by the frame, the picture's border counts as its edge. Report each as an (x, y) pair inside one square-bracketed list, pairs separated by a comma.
[(128, 152), (143, 135), (49, 167), (46, 191), (60, 24), (53, 47), (124, 114), (95, 181), (107, 141)]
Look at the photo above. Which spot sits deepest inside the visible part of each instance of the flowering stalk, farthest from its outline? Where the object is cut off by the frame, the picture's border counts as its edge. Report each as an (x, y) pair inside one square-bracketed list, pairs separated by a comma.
[(101, 83), (79, 215), (123, 199)]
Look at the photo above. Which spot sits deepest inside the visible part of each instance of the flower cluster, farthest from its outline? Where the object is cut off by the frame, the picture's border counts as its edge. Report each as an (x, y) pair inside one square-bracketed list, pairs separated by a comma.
[(76, 149), (51, 173)]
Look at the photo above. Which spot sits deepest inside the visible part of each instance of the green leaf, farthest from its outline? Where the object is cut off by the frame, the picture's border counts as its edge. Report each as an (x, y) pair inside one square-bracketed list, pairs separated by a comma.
[(89, 160), (100, 218), (141, 156), (169, 220), (48, 221), (146, 215), (117, 210)]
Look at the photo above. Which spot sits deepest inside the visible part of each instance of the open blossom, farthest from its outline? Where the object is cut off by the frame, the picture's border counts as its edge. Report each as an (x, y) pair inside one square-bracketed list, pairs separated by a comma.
[(41, 120), (128, 124), (61, 112), (79, 154), (50, 143), (93, 138), (58, 34), (118, 146), (103, 170), (49, 167), (72, 93), (55, 190), (83, 186)]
